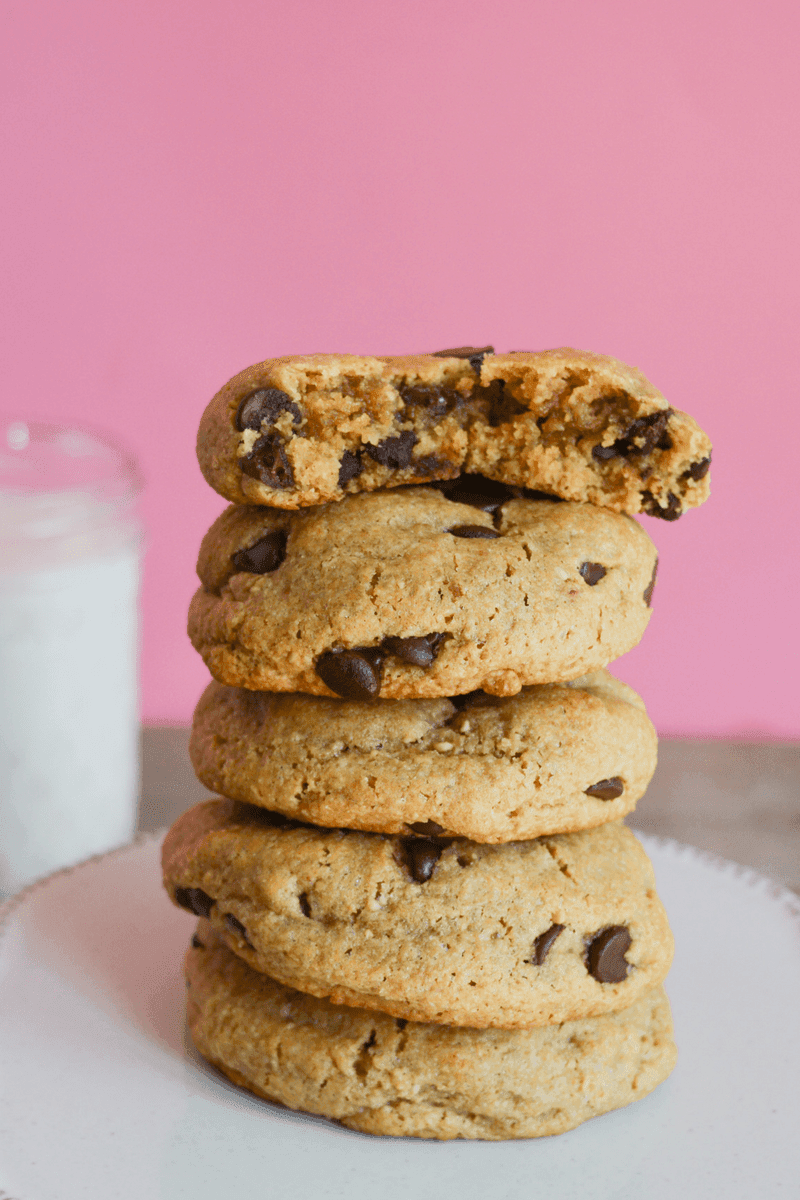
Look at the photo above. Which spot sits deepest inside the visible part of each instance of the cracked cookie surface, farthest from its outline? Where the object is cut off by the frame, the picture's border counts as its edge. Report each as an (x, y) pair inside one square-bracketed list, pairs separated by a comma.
[(383, 1076), (410, 594), (445, 931), (302, 430), (552, 759)]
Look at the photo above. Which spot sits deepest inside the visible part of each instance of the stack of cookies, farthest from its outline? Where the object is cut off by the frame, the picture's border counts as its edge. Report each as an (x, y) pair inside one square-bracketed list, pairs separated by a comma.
[(420, 910)]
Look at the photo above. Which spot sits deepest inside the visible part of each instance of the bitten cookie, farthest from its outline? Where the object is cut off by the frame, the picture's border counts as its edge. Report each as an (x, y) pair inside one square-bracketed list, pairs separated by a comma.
[(307, 429), (386, 1076), (512, 936), (407, 593), (552, 759)]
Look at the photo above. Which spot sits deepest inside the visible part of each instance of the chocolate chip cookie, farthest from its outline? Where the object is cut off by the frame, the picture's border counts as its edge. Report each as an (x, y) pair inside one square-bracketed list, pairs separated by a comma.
[(303, 430), (427, 929), (552, 759), (380, 1075), (409, 593)]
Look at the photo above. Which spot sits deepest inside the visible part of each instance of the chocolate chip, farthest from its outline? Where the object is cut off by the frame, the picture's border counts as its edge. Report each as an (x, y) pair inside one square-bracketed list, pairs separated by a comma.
[(196, 943), (486, 494), (264, 406), (670, 512), (648, 591), (195, 899), (502, 406), (419, 856), (263, 556), (267, 462), (238, 928), (606, 789), (605, 954), (437, 401), (475, 354), (394, 451), (418, 651), (427, 828), (473, 531), (352, 674), (641, 437), (305, 907), (400, 1022), (433, 465), (698, 470), (591, 572), (349, 467), (543, 943)]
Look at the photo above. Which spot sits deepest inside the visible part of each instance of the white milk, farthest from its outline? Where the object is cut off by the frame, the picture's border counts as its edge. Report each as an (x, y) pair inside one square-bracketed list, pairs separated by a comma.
[(69, 576)]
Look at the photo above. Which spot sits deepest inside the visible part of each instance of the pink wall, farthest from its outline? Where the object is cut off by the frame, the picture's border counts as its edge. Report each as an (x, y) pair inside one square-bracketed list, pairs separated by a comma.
[(197, 186)]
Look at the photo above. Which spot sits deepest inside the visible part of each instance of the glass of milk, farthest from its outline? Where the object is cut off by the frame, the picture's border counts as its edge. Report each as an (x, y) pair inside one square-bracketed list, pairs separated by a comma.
[(70, 547)]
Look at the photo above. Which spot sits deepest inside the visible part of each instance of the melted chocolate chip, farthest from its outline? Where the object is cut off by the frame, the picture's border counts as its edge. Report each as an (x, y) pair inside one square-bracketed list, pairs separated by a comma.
[(486, 494), (591, 572), (437, 401), (236, 926), (195, 899), (670, 512), (400, 1022), (648, 591), (502, 405), (394, 451), (350, 466), (305, 907), (352, 674), (419, 856), (196, 943), (641, 437), (434, 465), (263, 556), (606, 789), (698, 470), (267, 462), (605, 954), (475, 354), (543, 944), (418, 651), (263, 407), (473, 531), (427, 828)]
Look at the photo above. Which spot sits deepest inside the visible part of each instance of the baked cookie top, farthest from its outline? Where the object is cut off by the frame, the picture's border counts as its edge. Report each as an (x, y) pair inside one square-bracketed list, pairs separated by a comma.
[(305, 429), (407, 593), (552, 759), (386, 1076), (512, 936)]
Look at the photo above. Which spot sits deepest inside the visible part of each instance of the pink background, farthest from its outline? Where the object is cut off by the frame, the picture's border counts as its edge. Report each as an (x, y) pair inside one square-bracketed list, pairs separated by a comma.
[(191, 187)]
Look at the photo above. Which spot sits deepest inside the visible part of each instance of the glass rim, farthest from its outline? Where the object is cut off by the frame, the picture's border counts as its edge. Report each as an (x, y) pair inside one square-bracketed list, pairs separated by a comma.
[(119, 484)]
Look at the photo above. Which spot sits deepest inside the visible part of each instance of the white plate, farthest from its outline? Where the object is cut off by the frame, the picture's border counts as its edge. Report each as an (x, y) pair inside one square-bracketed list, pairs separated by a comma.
[(100, 1098)]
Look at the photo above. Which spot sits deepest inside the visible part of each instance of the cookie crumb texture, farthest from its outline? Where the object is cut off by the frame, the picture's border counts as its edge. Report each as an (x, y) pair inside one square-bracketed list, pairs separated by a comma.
[(383, 1076), (297, 431), (552, 759), (360, 585), (427, 929)]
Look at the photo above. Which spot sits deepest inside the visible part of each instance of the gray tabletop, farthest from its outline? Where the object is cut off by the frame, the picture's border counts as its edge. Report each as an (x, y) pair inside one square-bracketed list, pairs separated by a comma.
[(737, 799)]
